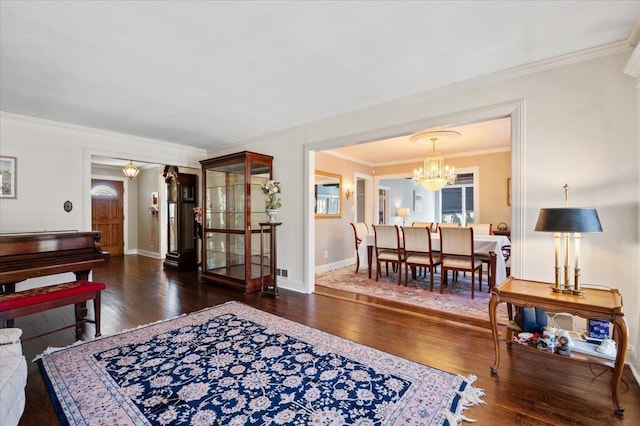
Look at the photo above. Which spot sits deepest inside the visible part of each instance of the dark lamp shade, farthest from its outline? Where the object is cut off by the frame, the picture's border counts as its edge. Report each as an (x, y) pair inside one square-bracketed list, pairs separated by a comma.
[(568, 220)]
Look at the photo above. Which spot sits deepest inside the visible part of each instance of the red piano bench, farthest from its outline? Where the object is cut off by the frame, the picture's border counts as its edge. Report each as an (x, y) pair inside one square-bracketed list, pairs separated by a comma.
[(26, 302)]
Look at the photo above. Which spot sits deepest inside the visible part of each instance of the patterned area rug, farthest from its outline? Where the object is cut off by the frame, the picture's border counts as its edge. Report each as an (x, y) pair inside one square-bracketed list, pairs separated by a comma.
[(456, 297), (235, 365)]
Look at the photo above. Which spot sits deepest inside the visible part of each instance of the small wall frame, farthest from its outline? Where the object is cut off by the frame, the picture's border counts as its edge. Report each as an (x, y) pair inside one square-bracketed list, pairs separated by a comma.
[(8, 177)]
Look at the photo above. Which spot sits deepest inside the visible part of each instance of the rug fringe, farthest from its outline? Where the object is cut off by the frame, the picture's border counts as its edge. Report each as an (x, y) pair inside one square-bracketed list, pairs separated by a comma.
[(469, 397)]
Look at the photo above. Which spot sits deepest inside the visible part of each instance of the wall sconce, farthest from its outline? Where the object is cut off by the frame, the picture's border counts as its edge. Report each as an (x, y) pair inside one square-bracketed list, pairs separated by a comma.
[(348, 191)]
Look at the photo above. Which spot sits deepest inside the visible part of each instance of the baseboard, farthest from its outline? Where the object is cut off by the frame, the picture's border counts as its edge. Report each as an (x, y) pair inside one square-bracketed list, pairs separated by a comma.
[(147, 253), (336, 265)]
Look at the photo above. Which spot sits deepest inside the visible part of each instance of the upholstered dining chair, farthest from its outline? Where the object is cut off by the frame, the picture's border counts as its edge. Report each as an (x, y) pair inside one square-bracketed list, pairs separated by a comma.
[(428, 225), (447, 225), (456, 254), (417, 251), (360, 229), (481, 228), (388, 249)]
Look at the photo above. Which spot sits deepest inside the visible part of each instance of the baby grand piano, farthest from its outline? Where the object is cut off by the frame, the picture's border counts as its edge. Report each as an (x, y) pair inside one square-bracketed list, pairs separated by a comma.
[(37, 254)]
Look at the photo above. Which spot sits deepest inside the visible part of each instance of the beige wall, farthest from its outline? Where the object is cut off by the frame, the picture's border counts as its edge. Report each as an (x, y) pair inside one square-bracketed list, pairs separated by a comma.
[(493, 170), (335, 235)]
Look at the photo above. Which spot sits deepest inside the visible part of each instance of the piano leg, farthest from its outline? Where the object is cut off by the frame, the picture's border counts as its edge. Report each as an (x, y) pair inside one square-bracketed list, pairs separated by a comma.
[(6, 289)]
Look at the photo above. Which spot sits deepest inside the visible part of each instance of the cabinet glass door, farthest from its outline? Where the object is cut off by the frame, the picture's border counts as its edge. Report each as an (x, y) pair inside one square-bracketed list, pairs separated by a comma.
[(224, 220), (233, 208)]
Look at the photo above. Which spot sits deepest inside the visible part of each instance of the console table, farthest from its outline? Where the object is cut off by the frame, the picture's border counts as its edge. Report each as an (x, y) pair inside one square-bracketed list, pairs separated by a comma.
[(595, 303), (268, 281)]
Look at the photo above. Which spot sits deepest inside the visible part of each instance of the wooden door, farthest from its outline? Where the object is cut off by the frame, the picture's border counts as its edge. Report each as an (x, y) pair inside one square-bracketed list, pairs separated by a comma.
[(107, 214)]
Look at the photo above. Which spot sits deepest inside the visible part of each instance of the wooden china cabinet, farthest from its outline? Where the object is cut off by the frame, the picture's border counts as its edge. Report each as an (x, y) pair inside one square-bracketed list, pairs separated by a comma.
[(233, 206), (181, 238)]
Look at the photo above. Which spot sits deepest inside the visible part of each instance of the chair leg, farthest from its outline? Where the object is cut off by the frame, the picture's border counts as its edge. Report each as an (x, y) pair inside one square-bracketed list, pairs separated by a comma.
[(406, 275), (378, 272), (357, 262), (431, 271), (443, 275), (473, 284)]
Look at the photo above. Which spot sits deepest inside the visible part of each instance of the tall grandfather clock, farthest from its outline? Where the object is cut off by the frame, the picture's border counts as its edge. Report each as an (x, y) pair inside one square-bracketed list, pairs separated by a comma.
[(181, 230)]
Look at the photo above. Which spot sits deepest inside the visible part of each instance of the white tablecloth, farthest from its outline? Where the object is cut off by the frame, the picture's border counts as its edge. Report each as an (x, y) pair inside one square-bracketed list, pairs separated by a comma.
[(481, 244)]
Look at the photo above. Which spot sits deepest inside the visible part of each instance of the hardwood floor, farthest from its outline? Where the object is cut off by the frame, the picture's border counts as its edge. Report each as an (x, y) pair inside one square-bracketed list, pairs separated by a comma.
[(529, 388)]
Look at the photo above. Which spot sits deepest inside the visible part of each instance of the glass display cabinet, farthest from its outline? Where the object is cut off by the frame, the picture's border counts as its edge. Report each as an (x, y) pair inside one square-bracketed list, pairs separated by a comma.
[(233, 207), (181, 244)]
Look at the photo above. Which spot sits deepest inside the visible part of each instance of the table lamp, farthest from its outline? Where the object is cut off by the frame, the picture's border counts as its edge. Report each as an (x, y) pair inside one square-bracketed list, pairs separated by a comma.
[(568, 222), (403, 212)]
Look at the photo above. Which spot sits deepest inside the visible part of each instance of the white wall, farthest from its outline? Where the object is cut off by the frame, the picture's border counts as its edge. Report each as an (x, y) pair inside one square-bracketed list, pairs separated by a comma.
[(54, 165), (579, 127)]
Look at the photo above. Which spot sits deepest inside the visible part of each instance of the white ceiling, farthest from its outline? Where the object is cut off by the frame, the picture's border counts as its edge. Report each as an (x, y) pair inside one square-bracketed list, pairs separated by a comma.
[(209, 74)]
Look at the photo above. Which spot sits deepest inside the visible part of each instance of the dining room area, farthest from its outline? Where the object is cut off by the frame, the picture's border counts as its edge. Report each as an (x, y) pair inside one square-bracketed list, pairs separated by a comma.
[(369, 194), (466, 245)]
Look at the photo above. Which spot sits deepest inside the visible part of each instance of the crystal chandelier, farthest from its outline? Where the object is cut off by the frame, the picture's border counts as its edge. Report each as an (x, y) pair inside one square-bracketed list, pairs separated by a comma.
[(435, 174), (130, 170)]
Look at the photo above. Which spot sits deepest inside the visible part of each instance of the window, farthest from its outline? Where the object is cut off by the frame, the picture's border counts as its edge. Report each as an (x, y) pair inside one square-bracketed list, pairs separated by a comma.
[(101, 190), (457, 201)]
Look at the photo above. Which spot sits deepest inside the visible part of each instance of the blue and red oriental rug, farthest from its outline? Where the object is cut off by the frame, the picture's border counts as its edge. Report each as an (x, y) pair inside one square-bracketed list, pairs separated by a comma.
[(235, 365)]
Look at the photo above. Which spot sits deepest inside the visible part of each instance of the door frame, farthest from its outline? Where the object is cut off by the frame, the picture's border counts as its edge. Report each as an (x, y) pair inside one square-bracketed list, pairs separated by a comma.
[(125, 205), (513, 109)]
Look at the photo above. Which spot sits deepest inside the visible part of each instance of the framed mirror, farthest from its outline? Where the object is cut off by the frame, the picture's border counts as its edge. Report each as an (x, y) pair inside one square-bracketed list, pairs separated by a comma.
[(327, 193)]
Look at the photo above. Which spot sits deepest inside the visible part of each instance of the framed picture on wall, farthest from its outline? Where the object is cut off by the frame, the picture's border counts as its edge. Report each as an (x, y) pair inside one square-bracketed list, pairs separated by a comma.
[(417, 202), (8, 176)]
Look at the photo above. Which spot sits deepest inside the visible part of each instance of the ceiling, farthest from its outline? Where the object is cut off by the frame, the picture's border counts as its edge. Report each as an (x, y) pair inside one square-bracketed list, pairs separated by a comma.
[(213, 74)]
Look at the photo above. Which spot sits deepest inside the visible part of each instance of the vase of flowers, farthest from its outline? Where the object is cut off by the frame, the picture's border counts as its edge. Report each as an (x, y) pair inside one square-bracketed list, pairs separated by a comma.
[(272, 201)]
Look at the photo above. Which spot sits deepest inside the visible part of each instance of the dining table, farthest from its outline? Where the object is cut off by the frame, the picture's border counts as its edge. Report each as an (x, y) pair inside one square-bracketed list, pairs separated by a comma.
[(482, 244)]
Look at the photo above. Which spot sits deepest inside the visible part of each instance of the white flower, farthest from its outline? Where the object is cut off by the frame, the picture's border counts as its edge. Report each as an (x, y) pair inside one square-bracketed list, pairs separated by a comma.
[(270, 188)]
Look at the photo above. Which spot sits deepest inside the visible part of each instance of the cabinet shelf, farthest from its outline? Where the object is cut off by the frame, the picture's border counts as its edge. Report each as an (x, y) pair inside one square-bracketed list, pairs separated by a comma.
[(575, 355)]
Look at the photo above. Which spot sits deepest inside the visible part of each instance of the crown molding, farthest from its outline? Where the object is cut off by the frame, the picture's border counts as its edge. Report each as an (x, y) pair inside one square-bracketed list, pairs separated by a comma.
[(101, 132), (632, 67)]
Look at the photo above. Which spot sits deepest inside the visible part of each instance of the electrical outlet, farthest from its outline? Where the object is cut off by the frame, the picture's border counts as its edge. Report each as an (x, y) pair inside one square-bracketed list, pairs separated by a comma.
[(284, 273), (277, 271), (326, 254)]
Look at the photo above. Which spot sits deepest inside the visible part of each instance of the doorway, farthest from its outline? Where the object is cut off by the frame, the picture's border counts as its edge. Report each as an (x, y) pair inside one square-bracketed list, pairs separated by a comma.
[(514, 110), (107, 214)]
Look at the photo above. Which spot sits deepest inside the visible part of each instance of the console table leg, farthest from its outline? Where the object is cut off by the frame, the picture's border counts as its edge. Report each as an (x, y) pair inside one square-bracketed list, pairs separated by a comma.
[(620, 334), (493, 304)]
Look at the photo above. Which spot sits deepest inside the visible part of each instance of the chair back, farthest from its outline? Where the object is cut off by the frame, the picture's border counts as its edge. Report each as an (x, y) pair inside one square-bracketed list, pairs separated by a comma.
[(481, 228), (456, 241), (416, 239), (428, 225), (387, 237), (360, 229), (447, 225)]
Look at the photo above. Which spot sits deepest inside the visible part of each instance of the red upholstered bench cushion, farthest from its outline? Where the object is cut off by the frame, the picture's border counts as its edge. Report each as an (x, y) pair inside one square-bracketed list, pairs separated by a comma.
[(39, 295)]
